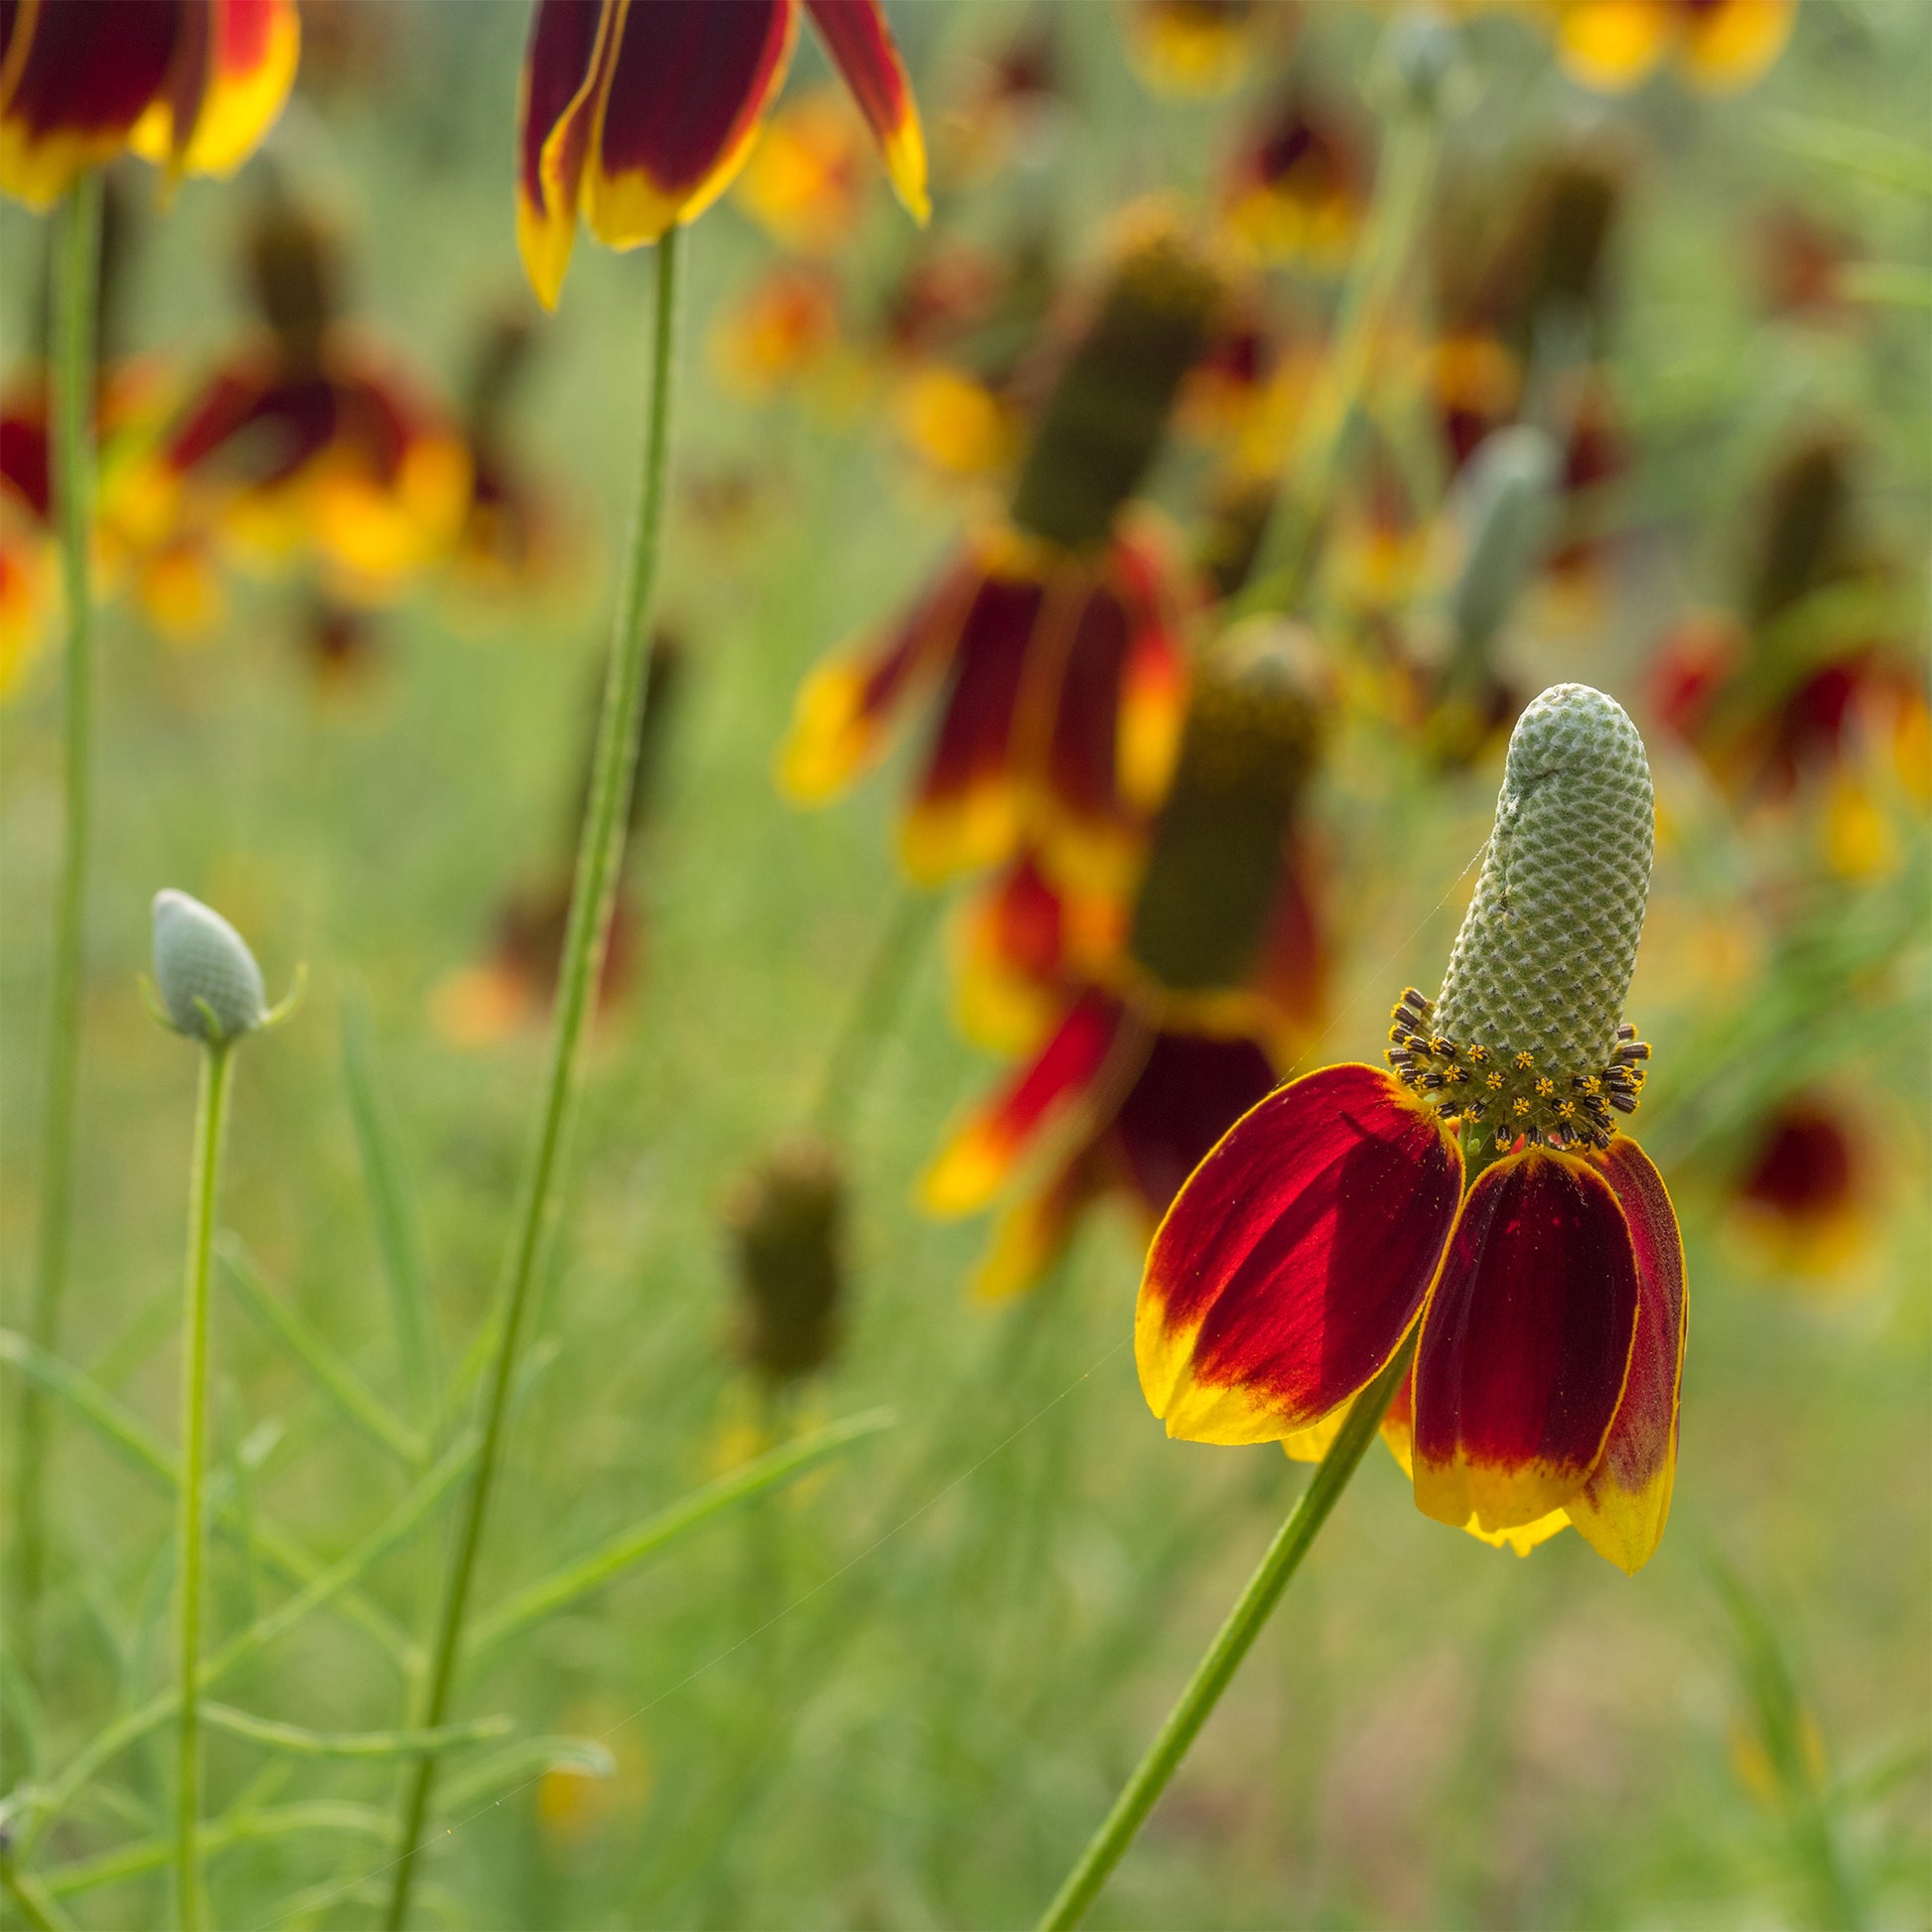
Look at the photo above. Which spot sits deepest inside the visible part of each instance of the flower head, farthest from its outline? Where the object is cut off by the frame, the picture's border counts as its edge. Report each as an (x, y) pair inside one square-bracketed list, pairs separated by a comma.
[(1332, 1218), (1718, 45), (192, 86), (637, 116)]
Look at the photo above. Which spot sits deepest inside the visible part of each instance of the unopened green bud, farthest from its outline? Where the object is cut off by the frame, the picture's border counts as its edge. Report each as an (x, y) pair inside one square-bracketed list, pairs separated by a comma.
[(786, 1221), (1422, 52), (209, 983), (1544, 958), (1506, 502)]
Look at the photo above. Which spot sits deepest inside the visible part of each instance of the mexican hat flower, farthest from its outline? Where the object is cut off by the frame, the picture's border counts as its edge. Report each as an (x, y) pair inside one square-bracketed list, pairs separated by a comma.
[(1146, 1027), (1719, 46), (313, 436), (1299, 185), (192, 86), (636, 114), (1333, 1221), (1051, 640)]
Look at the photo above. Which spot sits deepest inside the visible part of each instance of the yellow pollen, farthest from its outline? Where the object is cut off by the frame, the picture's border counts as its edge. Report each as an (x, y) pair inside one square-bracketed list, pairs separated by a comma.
[(1566, 1108), (1522, 1105), (1591, 1084), (1546, 1086), (1525, 1061), (1492, 1081)]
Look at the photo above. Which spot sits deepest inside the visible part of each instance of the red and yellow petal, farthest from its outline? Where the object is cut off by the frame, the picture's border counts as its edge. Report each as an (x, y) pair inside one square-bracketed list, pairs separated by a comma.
[(1295, 1258), (966, 810), (555, 104), (234, 66), (976, 1162), (839, 721), (1526, 1343), (1192, 1090), (860, 41), (1010, 952), (1032, 1235), (1621, 1509), (684, 86), (75, 80)]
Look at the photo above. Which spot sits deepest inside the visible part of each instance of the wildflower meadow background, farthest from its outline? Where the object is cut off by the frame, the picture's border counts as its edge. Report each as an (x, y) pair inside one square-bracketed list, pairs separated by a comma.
[(836, 1574)]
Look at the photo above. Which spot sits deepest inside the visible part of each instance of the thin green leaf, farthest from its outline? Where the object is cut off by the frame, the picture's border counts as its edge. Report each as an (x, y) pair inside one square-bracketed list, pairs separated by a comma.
[(33, 1900), (333, 1376), (119, 1427), (48, 1802), (517, 1763), (246, 1828), (393, 1204), (353, 1743), (604, 1565), (1859, 150)]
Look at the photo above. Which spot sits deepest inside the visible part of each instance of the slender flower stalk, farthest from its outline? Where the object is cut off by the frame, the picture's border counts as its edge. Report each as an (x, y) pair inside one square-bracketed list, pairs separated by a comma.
[(190, 1525), (1232, 1642), (211, 990), (76, 282), (598, 859)]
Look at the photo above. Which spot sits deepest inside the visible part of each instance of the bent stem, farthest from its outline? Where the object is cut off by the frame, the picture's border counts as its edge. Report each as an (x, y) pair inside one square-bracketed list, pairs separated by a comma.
[(76, 278), (211, 1113), (599, 855), (1235, 1639)]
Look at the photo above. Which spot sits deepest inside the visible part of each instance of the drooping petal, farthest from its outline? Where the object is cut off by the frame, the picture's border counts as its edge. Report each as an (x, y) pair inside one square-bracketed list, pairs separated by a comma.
[(1192, 1090), (1611, 44), (1730, 44), (686, 85), (1292, 972), (1010, 947), (979, 1157), (1621, 1509), (1295, 1258), (554, 111), (1033, 1234), (1398, 1432), (860, 41), (74, 79), (839, 721), (966, 810), (234, 64), (1083, 821), (1525, 1344)]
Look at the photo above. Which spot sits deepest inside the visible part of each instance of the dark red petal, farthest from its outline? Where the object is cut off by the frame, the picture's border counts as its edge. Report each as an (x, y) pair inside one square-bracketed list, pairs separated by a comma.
[(1525, 1344), (965, 812), (75, 79), (688, 85), (1295, 1258), (1623, 1507), (1193, 1089), (860, 44)]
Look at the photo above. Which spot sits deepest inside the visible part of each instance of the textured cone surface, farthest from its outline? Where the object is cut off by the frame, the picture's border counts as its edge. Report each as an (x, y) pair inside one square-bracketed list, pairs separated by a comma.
[(199, 959), (1544, 958)]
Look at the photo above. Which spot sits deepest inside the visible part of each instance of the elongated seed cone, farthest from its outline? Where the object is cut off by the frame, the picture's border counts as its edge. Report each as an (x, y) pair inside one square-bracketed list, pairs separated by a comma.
[(787, 1224), (207, 978), (1544, 958)]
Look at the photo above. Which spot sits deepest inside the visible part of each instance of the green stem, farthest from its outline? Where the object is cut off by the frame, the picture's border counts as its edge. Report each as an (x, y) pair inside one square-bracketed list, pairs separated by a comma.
[(1287, 544), (1236, 1637), (77, 271), (191, 1539), (599, 856)]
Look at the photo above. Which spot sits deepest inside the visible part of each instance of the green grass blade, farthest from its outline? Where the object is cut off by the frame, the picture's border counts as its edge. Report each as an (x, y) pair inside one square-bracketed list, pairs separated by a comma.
[(304, 1742), (246, 1828), (393, 1203), (118, 1426), (337, 1381), (528, 1757), (1864, 151), (604, 1565), (401, 1521)]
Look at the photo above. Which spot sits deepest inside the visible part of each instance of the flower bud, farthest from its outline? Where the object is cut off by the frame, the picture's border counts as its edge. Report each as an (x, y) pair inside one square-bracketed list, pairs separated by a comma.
[(1505, 505), (1103, 424), (786, 1224), (210, 983), (1422, 53), (1214, 867)]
